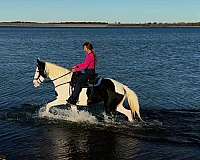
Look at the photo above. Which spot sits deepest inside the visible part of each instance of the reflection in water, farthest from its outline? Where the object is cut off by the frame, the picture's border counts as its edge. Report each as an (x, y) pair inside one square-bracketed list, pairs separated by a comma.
[(86, 144), (24, 138)]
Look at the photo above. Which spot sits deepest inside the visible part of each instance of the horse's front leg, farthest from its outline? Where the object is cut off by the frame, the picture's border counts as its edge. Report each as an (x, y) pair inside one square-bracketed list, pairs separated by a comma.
[(56, 102)]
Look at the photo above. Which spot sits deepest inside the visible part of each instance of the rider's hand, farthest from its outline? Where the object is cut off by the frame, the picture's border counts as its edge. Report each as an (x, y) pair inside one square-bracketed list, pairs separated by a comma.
[(73, 70)]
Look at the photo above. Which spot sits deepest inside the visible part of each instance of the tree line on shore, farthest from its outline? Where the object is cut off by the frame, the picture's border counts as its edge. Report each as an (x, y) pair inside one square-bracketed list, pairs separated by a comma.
[(148, 24)]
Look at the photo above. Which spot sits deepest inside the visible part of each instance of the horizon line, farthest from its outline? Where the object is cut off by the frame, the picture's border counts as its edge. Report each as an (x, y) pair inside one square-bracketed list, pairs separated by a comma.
[(99, 22)]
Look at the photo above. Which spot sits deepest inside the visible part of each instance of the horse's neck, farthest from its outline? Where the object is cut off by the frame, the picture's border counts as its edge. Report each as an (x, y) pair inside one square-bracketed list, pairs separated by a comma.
[(55, 71)]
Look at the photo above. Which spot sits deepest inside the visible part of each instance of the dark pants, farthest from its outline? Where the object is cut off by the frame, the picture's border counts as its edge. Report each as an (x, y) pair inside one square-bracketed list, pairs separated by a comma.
[(81, 80)]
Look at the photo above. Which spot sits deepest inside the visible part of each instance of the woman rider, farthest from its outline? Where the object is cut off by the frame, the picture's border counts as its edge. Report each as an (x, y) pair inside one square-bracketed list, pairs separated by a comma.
[(83, 71)]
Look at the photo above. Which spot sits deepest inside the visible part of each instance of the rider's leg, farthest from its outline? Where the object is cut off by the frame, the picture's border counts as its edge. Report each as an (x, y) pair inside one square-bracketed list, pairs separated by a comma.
[(77, 89)]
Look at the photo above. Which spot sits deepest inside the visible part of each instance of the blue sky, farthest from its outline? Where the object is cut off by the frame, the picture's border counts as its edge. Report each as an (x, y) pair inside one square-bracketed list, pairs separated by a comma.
[(124, 11)]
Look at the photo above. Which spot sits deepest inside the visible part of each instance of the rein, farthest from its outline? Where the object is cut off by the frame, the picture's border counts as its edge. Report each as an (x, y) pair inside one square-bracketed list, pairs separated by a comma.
[(61, 76), (62, 83)]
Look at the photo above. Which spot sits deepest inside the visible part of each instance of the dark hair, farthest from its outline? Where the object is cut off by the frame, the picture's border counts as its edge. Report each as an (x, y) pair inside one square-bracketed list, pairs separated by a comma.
[(90, 47)]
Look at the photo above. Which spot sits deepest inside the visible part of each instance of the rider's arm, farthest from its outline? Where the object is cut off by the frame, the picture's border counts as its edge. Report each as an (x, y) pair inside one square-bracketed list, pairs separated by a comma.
[(88, 60)]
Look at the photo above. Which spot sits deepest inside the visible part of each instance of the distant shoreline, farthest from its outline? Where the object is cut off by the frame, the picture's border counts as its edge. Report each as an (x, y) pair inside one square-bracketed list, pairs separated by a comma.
[(98, 25)]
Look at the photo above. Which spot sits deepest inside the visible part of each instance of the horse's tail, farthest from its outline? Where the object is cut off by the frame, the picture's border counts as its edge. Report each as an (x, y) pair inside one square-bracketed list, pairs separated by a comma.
[(133, 102)]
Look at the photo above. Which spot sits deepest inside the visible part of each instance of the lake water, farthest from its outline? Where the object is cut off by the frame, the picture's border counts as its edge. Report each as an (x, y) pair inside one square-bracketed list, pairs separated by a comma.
[(161, 65)]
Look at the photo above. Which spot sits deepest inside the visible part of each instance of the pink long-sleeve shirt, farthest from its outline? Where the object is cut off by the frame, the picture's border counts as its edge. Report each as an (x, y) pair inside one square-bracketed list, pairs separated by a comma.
[(89, 63)]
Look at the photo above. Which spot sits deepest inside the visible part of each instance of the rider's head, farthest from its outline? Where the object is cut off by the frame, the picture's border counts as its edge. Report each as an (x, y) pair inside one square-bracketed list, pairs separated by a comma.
[(87, 46)]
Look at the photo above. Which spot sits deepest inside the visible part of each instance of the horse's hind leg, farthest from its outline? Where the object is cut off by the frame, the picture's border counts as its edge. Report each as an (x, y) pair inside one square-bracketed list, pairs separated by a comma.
[(113, 104), (126, 112)]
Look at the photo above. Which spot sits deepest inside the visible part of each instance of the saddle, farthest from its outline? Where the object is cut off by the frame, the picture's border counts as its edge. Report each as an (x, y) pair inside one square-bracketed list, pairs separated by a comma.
[(92, 81)]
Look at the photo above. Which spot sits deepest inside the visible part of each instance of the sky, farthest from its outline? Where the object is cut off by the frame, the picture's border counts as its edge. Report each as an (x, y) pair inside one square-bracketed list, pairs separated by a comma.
[(111, 11)]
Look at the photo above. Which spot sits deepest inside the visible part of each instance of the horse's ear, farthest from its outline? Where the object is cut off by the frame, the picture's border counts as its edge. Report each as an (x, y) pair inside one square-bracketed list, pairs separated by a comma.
[(38, 61)]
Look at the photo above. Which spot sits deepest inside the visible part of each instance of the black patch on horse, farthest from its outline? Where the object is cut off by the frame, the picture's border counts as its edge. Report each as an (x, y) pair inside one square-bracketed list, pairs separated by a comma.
[(41, 68), (105, 92)]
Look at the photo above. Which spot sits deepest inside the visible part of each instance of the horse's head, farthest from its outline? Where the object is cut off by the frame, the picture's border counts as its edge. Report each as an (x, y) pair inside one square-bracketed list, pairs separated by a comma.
[(40, 73)]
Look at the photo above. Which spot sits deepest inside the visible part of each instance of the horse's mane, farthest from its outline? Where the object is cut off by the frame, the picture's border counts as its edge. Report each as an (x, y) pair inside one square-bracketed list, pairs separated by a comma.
[(54, 70)]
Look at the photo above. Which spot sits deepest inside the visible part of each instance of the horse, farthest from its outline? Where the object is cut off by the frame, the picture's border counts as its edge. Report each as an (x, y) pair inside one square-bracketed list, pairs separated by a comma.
[(109, 91)]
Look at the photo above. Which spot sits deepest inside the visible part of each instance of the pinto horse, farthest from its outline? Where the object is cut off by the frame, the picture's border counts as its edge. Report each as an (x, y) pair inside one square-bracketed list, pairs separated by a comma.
[(109, 91)]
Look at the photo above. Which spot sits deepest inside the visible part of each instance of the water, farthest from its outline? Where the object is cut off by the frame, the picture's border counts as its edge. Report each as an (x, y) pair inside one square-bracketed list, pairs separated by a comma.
[(161, 65)]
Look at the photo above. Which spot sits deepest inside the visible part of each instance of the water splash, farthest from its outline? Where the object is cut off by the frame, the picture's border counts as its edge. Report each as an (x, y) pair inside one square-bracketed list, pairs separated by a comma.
[(66, 114), (108, 119)]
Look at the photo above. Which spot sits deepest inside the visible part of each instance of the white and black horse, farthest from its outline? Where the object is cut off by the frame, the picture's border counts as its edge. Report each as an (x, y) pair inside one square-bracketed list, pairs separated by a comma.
[(107, 90)]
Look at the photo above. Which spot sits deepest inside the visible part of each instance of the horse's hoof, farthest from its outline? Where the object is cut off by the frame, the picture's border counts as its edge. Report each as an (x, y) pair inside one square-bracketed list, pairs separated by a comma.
[(74, 108)]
